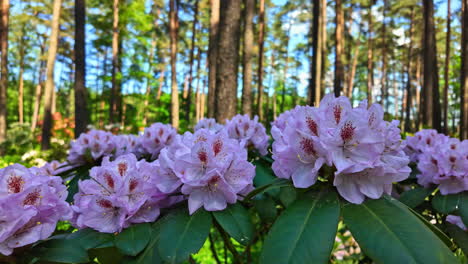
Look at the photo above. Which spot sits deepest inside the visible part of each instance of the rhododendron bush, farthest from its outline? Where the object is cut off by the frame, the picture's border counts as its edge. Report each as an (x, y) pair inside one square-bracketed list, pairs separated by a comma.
[(328, 174)]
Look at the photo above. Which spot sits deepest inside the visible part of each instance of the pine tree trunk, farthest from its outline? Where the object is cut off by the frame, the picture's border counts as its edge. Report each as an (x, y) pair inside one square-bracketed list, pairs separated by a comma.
[(431, 114), (173, 28), (161, 82), (228, 60), (38, 90), (446, 69), (261, 39), (213, 56), (370, 62), (5, 9), (21, 78), (418, 94), (81, 110), (198, 93), (339, 38), (316, 65), (464, 73), (286, 67), (192, 56), (49, 85), (407, 126), (113, 104), (248, 54), (323, 26), (383, 80)]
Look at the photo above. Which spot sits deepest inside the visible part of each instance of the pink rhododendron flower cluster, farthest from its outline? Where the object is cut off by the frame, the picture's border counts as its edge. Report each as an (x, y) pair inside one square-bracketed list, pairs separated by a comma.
[(119, 193), (249, 132), (155, 138), (208, 123), (441, 160), (366, 151), (91, 146), (210, 168), (31, 204)]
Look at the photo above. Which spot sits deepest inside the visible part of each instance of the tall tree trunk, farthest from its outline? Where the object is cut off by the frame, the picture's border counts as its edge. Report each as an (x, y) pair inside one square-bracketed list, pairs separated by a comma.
[(383, 80), (409, 74), (228, 60), (248, 54), (370, 62), (339, 38), (161, 82), (38, 90), (323, 26), (316, 65), (81, 108), (286, 67), (395, 93), (5, 10), (21, 77), (261, 39), (213, 56), (192, 56), (431, 114), (113, 104), (173, 28), (446, 70), (197, 89), (353, 71), (49, 85), (418, 115), (464, 73)]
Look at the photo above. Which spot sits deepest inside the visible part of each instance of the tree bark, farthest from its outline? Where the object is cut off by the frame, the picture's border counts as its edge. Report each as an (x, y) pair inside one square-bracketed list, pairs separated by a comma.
[(323, 26), (113, 104), (431, 113), (446, 69), (38, 90), (286, 67), (383, 80), (248, 54), (81, 108), (192, 55), (49, 85), (370, 62), (316, 65), (464, 73), (173, 28), (213, 55), (339, 38), (407, 126), (5, 10), (261, 39), (161, 82), (228, 60), (21, 78)]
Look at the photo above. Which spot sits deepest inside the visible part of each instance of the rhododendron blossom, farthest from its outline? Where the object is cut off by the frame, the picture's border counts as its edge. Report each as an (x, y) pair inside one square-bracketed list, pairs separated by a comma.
[(91, 146), (366, 151), (249, 132), (456, 220), (441, 160), (31, 204), (208, 123), (209, 167), (155, 138), (119, 193)]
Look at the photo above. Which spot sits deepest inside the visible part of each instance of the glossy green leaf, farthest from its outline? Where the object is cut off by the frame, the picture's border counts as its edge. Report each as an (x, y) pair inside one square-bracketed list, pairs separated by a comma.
[(304, 232), (89, 238), (415, 197), (434, 229), (183, 234), (61, 250), (389, 232), (445, 204), (235, 220), (288, 195), (150, 254), (134, 239), (459, 236), (266, 208), (463, 207), (107, 255)]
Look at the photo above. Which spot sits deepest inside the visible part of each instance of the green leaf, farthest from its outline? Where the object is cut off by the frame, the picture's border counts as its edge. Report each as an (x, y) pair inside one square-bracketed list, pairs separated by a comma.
[(235, 220), (183, 234), (264, 175), (89, 238), (266, 208), (288, 195), (415, 197), (304, 232), (106, 255), (277, 183), (463, 207), (134, 239), (389, 233), (445, 204), (434, 229), (459, 236), (151, 253), (61, 250)]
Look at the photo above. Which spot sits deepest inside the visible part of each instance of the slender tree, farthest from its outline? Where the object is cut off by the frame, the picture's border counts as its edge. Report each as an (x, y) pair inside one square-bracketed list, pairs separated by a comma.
[(173, 31), (408, 74), (228, 60), (383, 80), (192, 61), (213, 55), (248, 54), (446, 69), (5, 10), (431, 112), (155, 12), (22, 47), (261, 37), (316, 65), (49, 85), (352, 74), (114, 100), (39, 85), (370, 62), (81, 108), (339, 39), (464, 73)]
